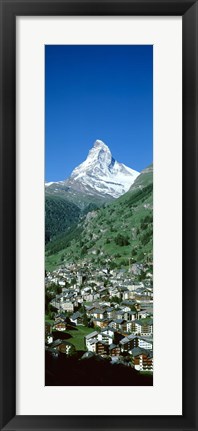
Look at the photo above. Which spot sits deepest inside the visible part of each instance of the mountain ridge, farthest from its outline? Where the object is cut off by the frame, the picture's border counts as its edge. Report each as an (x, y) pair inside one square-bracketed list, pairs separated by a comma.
[(99, 176)]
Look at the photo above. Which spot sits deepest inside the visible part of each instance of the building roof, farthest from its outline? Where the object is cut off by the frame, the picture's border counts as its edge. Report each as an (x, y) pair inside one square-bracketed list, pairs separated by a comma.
[(129, 302), (98, 311), (60, 316), (90, 307), (92, 334), (93, 341), (147, 339), (148, 321), (120, 312), (113, 346), (108, 328), (139, 351), (128, 339), (76, 315), (131, 337), (119, 321), (60, 322), (124, 340)]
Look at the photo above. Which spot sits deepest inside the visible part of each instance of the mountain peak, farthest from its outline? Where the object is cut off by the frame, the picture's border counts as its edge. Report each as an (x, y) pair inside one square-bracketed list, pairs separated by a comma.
[(99, 154), (100, 144), (101, 174)]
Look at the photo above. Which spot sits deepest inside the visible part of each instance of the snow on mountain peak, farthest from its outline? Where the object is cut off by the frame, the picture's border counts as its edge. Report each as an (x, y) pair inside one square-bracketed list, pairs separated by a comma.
[(98, 154), (101, 174), (99, 143)]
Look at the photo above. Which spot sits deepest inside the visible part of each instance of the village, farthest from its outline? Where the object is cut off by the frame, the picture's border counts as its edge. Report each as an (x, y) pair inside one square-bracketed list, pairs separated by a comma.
[(104, 312)]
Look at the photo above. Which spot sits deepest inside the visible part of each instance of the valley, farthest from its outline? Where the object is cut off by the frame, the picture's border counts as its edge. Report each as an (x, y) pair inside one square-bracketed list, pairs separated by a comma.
[(118, 231), (99, 271)]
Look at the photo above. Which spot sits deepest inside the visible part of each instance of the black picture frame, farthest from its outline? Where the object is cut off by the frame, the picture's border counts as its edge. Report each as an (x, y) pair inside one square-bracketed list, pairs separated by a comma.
[(9, 11)]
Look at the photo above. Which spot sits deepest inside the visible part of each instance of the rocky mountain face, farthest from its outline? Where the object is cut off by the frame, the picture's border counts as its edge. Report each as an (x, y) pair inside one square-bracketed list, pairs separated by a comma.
[(101, 174), (100, 177)]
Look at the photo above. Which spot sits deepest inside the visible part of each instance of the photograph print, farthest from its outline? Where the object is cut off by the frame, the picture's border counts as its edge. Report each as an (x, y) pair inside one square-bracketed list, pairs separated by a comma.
[(99, 215)]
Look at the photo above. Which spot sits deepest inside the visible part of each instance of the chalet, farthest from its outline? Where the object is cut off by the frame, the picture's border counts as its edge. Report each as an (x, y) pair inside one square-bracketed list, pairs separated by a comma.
[(103, 290), (60, 317), (92, 345), (77, 318), (60, 325), (143, 298), (148, 310), (129, 324), (101, 323), (145, 342), (114, 293), (133, 286), (119, 324), (148, 292), (89, 338), (131, 304), (78, 301), (142, 359), (71, 295), (128, 343), (89, 297), (142, 327), (127, 295), (90, 310), (125, 307), (68, 306), (110, 312), (130, 315), (142, 314), (114, 350), (98, 313), (120, 314), (86, 290), (102, 348), (106, 336), (110, 331)]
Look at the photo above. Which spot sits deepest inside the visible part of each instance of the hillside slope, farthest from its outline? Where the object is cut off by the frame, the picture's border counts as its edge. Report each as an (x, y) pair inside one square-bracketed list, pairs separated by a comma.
[(60, 216), (117, 232)]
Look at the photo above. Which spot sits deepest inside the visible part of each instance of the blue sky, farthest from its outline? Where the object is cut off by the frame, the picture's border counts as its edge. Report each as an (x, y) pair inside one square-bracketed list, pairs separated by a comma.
[(97, 92)]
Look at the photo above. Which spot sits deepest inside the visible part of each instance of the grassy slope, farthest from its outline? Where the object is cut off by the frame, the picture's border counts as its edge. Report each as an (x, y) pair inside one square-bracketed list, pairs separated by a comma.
[(130, 216), (74, 335), (77, 336)]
